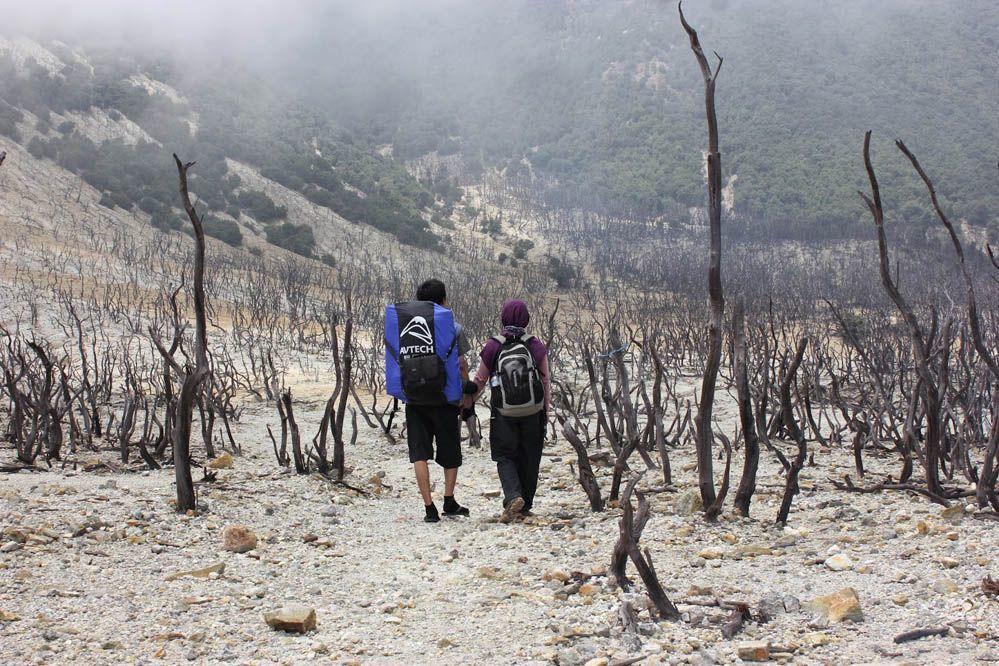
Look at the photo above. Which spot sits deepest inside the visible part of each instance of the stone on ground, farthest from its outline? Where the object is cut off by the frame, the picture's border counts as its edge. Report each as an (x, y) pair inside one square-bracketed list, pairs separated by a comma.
[(292, 619), (689, 502), (224, 461), (841, 606), (204, 572), (238, 539), (754, 651)]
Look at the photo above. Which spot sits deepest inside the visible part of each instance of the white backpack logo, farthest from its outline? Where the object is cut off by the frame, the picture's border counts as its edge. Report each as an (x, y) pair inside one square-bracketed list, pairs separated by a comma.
[(419, 329)]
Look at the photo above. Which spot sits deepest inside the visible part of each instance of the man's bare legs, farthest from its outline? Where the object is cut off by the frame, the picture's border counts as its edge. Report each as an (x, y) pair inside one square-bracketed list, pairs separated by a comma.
[(423, 480), (422, 470)]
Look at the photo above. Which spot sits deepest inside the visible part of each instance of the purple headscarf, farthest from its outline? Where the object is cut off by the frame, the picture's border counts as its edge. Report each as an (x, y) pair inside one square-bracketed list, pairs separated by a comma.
[(515, 317)]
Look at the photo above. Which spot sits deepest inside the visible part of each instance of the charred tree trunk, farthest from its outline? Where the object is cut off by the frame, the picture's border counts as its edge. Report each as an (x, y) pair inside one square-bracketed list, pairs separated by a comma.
[(346, 363), (920, 348), (747, 484), (180, 434), (794, 430), (627, 547), (288, 420), (587, 479), (716, 299)]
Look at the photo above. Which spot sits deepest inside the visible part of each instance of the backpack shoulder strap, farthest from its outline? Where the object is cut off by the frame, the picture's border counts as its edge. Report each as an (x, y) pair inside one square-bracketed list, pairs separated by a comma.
[(388, 348)]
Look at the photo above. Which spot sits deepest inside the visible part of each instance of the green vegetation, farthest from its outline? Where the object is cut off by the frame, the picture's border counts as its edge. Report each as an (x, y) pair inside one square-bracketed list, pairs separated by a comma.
[(288, 143), (294, 238), (606, 101), (522, 247)]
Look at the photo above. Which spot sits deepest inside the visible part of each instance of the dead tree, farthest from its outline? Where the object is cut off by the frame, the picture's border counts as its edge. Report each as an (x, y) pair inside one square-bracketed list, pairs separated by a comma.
[(192, 377), (567, 414), (930, 392), (716, 300), (631, 526), (985, 492), (747, 484), (790, 424), (336, 406), (39, 398), (627, 410)]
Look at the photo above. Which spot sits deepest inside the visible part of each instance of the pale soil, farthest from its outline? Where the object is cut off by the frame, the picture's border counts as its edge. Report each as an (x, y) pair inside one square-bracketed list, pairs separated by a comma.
[(390, 589)]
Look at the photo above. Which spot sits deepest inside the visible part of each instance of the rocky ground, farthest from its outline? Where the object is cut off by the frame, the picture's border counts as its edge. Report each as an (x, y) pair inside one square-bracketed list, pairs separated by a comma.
[(89, 563)]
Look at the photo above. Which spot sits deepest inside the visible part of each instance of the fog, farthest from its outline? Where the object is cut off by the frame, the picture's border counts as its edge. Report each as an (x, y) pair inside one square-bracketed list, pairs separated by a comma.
[(604, 95)]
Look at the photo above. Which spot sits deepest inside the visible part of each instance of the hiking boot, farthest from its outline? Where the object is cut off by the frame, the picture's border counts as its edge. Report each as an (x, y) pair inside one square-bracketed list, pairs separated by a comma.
[(512, 509)]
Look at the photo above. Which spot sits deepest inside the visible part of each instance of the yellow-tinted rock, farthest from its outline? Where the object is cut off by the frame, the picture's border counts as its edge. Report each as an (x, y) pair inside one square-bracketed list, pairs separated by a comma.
[(817, 638), (224, 461), (841, 606), (198, 573)]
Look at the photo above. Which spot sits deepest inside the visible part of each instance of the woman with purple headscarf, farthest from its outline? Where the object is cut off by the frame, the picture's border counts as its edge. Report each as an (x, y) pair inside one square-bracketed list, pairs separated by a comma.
[(515, 442)]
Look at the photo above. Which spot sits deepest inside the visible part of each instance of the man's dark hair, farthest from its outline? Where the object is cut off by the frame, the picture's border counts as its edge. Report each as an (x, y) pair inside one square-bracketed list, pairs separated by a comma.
[(432, 290)]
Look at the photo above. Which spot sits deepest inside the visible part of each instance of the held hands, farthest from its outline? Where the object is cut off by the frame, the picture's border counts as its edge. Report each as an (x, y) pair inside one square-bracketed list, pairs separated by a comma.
[(469, 389)]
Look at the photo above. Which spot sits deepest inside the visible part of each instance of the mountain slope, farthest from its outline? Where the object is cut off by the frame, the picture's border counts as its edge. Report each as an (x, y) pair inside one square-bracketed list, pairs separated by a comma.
[(109, 119), (605, 99)]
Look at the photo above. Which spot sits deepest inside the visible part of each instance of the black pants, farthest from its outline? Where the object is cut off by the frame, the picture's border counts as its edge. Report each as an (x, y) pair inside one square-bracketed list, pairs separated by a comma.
[(515, 444)]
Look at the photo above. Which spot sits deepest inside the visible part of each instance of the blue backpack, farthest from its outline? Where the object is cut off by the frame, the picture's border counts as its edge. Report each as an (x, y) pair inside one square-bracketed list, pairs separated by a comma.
[(421, 356)]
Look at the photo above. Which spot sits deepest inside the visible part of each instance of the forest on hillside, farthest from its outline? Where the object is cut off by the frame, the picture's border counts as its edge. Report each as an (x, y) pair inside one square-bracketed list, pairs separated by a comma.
[(600, 99), (287, 141), (595, 101)]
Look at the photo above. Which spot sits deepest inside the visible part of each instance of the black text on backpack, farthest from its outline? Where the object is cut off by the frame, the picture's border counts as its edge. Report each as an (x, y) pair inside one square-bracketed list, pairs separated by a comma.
[(516, 382)]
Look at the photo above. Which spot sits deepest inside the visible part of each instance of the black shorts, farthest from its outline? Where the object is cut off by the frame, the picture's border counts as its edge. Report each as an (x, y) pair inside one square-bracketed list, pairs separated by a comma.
[(426, 424)]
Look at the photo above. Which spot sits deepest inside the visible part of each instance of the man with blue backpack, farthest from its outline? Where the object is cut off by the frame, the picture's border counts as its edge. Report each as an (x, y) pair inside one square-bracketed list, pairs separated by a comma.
[(425, 368)]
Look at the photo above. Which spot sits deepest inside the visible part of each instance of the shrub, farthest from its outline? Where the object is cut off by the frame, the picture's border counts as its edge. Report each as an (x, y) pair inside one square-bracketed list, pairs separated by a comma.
[(37, 147), (297, 238), (522, 247), (260, 206), (226, 231), (9, 118)]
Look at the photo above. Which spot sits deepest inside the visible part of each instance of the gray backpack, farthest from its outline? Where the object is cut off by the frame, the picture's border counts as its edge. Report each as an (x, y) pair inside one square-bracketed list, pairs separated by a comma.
[(516, 381)]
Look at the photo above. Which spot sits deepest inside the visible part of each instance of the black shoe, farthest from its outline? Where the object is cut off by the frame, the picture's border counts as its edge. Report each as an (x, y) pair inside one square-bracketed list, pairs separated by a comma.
[(452, 508), (432, 515)]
